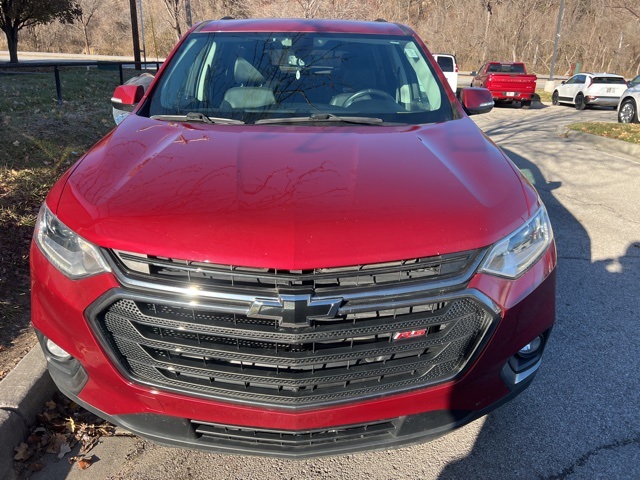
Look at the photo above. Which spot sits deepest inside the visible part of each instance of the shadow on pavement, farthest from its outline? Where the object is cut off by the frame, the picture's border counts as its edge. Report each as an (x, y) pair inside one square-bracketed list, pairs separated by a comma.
[(575, 408)]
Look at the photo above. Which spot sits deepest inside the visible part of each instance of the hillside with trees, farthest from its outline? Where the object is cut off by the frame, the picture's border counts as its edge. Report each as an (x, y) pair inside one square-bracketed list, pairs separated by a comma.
[(600, 35)]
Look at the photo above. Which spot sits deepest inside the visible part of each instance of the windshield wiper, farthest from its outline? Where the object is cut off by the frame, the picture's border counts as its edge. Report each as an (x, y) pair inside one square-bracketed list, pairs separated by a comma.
[(198, 117), (323, 117)]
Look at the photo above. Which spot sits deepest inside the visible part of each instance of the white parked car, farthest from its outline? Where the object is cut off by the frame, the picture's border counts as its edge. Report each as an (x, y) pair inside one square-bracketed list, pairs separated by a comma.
[(584, 89), (628, 106), (449, 67)]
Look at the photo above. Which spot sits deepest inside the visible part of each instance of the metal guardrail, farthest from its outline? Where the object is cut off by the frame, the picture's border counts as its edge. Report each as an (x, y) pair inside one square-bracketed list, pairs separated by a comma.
[(56, 65)]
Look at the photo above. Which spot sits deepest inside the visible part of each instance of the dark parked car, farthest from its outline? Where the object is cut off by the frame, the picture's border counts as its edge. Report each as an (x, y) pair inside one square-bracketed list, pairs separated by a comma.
[(296, 244)]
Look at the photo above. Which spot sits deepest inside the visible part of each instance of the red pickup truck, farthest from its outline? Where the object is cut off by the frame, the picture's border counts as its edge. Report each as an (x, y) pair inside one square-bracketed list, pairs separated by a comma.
[(507, 82)]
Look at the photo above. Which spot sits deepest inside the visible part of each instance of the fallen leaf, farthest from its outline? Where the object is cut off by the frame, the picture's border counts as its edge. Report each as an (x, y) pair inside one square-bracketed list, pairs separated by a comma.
[(36, 466), (56, 442), (85, 462), (34, 438), (22, 452), (51, 415), (64, 449)]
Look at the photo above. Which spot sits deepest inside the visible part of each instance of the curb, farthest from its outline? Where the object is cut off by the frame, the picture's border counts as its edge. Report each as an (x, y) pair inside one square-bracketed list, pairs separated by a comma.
[(22, 394), (603, 143)]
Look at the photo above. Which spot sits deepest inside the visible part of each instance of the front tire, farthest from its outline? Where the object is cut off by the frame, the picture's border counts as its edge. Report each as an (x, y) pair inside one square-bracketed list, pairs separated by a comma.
[(580, 103), (628, 112), (555, 98)]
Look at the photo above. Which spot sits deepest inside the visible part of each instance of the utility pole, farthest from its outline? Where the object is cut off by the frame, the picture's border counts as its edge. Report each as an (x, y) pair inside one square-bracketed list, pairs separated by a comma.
[(144, 46), (134, 34), (555, 44), (187, 5)]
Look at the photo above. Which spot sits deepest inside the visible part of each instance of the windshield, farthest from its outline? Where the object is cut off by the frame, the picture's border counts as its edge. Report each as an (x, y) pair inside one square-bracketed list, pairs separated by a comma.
[(506, 68), (617, 80), (446, 63), (255, 77)]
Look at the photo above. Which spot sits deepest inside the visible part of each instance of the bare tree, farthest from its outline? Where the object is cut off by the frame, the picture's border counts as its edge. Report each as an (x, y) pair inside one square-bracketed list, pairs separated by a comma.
[(175, 8), (608, 36), (309, 7), (18, 14), (89, 9)]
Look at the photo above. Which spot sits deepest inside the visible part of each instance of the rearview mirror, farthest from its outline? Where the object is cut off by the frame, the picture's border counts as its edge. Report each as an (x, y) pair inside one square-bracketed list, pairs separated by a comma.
[(476, 100)]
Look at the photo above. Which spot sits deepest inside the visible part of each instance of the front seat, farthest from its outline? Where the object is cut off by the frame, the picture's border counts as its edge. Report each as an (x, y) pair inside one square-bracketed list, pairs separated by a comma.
[(250, 93)]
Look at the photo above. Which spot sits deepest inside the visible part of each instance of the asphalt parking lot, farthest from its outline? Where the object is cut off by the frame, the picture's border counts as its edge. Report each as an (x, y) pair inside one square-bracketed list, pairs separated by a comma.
[(579, 419)]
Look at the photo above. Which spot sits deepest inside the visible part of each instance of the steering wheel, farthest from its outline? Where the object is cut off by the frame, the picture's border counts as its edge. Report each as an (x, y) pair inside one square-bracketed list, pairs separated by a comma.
[(373, 92)]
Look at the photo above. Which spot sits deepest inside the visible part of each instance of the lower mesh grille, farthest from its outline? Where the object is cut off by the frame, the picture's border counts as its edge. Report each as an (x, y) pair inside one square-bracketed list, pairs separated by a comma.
[(209, 352), (227, 435)]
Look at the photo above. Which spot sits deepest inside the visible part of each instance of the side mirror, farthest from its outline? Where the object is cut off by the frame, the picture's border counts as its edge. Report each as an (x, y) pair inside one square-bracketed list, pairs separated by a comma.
[(563, 82), (124, 100), (476, 100), (126, 97), (473, 73)]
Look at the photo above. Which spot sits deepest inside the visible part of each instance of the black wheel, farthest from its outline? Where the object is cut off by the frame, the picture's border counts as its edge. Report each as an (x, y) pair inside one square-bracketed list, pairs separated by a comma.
[(580, 103), (555, 98), (367, 92), (526, 103), (628, 112)]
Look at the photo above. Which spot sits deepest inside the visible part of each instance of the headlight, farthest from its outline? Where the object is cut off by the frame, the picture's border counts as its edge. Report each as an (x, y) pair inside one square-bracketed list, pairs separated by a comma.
[(512, 256), (66, 250)]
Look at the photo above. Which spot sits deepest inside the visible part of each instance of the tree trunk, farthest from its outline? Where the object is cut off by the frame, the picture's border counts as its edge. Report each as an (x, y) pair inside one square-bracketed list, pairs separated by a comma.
[(86, 39), (486, 36), (11, 32)]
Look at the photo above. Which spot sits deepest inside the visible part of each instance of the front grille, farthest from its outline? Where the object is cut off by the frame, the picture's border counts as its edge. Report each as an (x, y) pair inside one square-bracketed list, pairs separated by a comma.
[(274, 439), (300, 344), (264, 280)]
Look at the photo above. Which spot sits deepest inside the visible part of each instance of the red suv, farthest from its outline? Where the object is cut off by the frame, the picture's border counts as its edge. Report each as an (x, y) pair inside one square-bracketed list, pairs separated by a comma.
[(296, 244)]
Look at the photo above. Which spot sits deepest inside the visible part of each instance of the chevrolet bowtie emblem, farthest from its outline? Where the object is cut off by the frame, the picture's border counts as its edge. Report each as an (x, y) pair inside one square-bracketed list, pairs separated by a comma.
[(294, 310)]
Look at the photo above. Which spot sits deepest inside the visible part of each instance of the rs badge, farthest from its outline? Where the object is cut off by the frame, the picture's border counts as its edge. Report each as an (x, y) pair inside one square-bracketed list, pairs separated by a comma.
[(410, 334)]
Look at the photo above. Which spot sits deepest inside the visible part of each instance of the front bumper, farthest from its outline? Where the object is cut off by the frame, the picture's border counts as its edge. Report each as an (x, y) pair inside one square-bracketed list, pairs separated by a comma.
[(59, 307)]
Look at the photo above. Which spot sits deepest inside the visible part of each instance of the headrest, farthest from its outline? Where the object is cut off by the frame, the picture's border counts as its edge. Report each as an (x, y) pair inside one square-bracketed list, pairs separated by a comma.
[(244, 72)]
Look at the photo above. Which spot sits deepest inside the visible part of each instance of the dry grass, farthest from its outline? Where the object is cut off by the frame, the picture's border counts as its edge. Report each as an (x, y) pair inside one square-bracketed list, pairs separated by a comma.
[(39, 141), (544, 96), (628, 132)]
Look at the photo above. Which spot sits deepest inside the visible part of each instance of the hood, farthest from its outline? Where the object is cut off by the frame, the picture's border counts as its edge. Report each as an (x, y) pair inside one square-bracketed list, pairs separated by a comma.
[(294, 197)]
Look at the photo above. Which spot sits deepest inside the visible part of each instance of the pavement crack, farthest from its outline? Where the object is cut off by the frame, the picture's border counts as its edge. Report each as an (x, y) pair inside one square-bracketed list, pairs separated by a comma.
[(604, 207), (585, 458)]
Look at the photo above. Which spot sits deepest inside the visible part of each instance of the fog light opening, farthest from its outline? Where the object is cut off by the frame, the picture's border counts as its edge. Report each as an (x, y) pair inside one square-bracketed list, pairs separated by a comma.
[(57, 351), (531, 348)]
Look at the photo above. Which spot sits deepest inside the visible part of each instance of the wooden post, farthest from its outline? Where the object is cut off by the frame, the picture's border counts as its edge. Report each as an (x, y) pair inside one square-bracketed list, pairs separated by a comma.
[(134, 33)]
